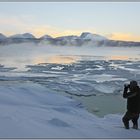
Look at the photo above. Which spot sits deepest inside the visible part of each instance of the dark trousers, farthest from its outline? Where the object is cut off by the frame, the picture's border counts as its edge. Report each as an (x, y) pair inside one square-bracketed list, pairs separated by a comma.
[(130, 116)]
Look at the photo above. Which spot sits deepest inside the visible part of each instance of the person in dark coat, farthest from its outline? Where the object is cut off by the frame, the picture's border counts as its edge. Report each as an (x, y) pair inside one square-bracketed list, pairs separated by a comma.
[(132, 93)]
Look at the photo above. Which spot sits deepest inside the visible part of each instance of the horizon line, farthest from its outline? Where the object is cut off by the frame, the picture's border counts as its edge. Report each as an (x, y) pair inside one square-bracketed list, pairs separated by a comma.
[(8, 36)]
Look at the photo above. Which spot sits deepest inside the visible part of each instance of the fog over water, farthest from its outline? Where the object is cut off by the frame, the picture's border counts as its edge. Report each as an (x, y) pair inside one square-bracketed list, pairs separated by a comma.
[(22, 54)]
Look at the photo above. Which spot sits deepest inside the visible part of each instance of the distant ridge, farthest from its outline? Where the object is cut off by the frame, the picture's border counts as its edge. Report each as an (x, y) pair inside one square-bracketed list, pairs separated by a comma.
[(45, 37), (85, 39), (25, 36), (2, 36), (87, 35)]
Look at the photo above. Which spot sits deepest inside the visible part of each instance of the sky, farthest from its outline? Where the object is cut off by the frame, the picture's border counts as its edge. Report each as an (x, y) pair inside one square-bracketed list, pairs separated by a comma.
[(119, 21)]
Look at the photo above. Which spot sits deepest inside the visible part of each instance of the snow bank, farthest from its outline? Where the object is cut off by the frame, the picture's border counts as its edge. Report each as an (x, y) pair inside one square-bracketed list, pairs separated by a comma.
[(30, 110)]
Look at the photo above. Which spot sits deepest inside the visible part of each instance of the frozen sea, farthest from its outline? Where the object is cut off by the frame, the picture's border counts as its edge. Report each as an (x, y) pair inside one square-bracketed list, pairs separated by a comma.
[(93, 76), (65, 92)]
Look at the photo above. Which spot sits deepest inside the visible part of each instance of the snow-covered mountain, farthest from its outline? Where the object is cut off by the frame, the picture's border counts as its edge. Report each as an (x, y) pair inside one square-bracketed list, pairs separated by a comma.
[(94, 37), (83, 36), (19, 38), (24, 36), (70, 37), (45, 37), (2, 36), (71, 40), (85, 39)]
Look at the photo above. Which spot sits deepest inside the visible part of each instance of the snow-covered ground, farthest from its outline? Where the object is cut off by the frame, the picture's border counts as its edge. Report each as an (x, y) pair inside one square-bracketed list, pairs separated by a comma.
[(29, 110), (38, 85)]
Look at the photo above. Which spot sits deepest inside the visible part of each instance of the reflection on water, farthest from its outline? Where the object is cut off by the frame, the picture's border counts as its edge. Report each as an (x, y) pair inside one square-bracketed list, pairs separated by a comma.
[(62, 59), (21, 55), (56, 59), (21, 63), (69, 59), (38, 60), (117, 57)]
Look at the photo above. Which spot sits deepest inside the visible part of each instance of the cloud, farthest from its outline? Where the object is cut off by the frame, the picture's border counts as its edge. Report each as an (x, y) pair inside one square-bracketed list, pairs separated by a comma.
[(124, 36)]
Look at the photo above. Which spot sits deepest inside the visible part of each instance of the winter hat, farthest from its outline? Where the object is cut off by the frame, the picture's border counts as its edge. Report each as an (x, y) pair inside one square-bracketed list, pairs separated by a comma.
[(133, 83)]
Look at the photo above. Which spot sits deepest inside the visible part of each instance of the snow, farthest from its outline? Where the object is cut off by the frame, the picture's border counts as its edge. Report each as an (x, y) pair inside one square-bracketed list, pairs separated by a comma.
[(25, 36), (57, 68), (45, 37), (70, 37), (2, 36), (29, 110), (87, 35), (106, 77), (32, 103)]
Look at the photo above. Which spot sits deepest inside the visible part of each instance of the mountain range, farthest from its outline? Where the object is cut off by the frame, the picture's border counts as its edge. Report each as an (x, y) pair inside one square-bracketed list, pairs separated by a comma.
[(85, 39)]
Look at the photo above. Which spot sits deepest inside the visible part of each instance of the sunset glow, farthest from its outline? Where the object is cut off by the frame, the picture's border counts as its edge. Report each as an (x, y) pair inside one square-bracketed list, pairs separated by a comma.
[(62, 19), (62, 59), (117, 57)]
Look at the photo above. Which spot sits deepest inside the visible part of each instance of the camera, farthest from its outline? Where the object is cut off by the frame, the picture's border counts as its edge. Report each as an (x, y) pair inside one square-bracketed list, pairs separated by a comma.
[(127, 85)]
